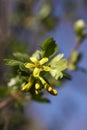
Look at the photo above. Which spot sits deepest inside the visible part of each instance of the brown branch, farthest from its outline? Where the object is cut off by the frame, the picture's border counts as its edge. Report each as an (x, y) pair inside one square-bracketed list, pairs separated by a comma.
[(9, 100)]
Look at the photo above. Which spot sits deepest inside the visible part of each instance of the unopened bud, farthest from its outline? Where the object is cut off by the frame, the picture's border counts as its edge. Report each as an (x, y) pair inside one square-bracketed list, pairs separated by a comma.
[(50, 89), (37, 86), (36, 92), (55, 92), (79, 26)]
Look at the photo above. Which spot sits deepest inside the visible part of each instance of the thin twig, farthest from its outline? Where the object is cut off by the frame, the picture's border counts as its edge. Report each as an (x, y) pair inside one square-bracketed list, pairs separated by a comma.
[(76, 47)]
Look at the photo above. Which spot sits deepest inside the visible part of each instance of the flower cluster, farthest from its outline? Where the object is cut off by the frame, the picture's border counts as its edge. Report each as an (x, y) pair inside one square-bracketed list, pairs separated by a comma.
[(38, 66)]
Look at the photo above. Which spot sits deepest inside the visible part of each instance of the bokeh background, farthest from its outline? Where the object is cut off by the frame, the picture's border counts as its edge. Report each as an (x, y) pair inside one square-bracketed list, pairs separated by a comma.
[(24, 24)]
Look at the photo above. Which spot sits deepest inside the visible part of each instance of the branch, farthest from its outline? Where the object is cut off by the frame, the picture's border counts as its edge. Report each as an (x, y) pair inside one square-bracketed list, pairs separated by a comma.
[(76, 47), (9, 100)]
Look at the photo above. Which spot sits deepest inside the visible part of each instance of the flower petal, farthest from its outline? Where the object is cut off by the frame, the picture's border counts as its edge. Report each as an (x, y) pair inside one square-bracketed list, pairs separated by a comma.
[(33, 59), (46, 68), (36, 72), (43, 60), (29, 65)]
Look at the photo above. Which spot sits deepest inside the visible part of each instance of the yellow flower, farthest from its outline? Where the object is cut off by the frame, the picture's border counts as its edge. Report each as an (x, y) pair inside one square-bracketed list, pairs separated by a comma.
[(27, 86), (48, 87), (38, 65)]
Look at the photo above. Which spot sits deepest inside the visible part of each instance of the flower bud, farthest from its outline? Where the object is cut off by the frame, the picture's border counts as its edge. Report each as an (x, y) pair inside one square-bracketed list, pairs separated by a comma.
[(27, 86), (37, 86), (49, 89), (79, 26), (36, 92), (55, 92)]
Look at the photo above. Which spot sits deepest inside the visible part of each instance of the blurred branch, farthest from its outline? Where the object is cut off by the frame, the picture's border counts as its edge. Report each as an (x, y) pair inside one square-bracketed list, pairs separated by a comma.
[(9, 100), (76, 47)]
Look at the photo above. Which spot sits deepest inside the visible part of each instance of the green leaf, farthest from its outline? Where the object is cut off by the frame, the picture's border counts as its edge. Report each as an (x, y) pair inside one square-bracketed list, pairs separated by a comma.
[(11, 62), (56, 59), (58, 65), (22, 68), (21, 56), (67, 76), (40, 99), (49, 47)]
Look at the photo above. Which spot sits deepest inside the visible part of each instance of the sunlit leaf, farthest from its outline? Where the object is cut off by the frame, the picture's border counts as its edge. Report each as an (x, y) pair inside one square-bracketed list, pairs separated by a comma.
[(58, 65), (56, 59)]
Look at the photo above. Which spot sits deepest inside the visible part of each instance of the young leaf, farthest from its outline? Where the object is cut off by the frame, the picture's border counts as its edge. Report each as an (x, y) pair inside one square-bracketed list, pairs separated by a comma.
[(58, 65), (49, 47), (21, 56), (22, 68), (56, 59), (11, 62)]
